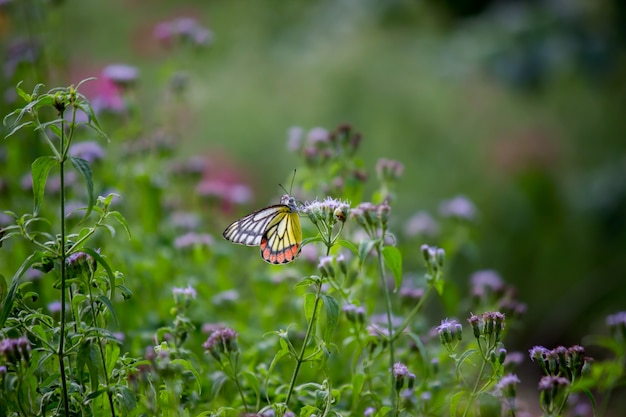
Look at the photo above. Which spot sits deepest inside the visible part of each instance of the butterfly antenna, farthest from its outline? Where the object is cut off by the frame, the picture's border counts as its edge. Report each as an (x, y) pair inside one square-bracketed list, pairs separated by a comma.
[(291, 186), (292, 179)]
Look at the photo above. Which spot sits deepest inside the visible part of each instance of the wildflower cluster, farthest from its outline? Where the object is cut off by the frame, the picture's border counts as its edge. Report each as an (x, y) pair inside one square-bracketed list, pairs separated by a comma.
[(450, 334), (373, 218), (336, 150), (507, 388), (221, 342), (389, 172), (489, 290), (354, 313), (15, 350), (402, 377), (562, 368), (80, 262), (325, 215), (561, 361), (434, 258), (185, 30)]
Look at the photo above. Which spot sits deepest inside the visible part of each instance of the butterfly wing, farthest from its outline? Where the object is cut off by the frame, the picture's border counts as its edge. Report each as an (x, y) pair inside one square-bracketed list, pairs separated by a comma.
[(280, 242), (249, 230)]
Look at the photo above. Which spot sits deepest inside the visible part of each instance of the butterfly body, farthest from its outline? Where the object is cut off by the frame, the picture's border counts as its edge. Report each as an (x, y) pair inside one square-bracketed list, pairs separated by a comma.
[(275, 229)]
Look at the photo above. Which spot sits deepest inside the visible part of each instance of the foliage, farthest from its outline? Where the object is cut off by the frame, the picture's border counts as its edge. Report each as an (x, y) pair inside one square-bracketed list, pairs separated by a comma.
[(118, 299), (329, 353)]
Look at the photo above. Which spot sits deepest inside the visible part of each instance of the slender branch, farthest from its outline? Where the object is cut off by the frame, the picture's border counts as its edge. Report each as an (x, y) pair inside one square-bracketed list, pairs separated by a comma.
[(307, 335), (61, 352), (390, 336), (100, 346)]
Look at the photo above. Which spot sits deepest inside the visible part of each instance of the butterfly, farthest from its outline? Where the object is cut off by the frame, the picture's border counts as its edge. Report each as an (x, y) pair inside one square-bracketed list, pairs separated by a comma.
[(276, 229)]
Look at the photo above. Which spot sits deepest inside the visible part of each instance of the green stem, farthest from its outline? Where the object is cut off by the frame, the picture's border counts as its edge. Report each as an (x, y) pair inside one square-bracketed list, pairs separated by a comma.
[(390, 336), (307, 335), (475, 389), (234, 365), (412, 314), (100, 348), (61, 352)]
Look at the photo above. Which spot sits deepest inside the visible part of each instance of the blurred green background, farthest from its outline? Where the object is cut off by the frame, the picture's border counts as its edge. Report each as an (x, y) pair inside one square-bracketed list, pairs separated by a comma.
[(517, 105)]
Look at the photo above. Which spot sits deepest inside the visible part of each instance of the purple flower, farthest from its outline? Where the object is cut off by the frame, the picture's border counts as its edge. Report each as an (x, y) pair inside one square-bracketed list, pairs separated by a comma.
[(421, 224), (188, 292), (54, 307), (186, 29), (221, 341), (15, 349), (448, 330), (550, 382), (193, 239), (318, 135), (538, 353), (228, 296), (412, 295), (507, 385), (486, 281), (232, 193), (184, 220), (389, 170), (369, 412), (458, 207), (121, 75), (400, 369), (90, 151), (326, 266), (400, 374), (295, 138)]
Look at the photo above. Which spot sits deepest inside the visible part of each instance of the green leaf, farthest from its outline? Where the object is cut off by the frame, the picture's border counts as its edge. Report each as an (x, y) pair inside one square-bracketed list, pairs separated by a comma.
[(307, 281), (104, 300), (365, 247), (349, 245), (253, 382), (218, 381), (308, 240), (7, 303), (309, 305), (489, 405), (18, 127), (461, 360), (382, 412), (23, 94), (454, 403), (112, 354), (358, 380), (40, 169), (332, 316), (106, 267), (126, 398), (121, 220), (188, 366), (594, 405), (393, 260), (83, 167)]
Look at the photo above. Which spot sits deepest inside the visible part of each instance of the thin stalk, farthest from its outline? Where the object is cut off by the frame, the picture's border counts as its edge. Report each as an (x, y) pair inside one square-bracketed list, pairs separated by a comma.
[(101, 348), (475, 389), (236, 380), (61, 352), (411, 315), (390, 336), (307, 335)]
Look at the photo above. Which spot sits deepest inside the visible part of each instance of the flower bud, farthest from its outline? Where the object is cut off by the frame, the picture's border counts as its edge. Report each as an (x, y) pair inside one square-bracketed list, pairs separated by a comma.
[(400, 373), (326, 266)]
